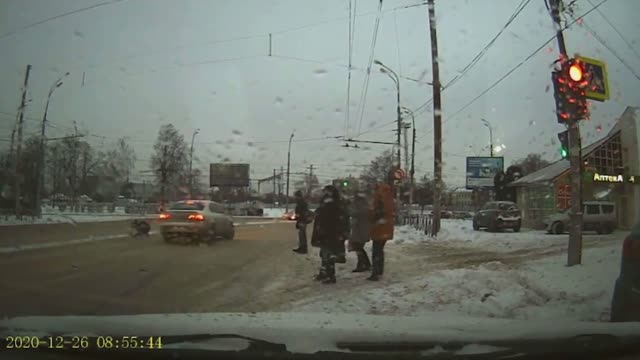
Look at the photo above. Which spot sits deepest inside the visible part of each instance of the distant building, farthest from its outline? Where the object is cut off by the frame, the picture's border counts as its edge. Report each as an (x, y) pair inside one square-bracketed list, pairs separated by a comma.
[(615, 156), (462, 200)]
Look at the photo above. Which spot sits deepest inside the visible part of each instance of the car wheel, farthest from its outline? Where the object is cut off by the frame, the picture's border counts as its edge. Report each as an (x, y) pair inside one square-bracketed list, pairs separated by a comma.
[(557, 228), (517, 227), (166, 239), (476, 227), (231, 234), (607, 229)]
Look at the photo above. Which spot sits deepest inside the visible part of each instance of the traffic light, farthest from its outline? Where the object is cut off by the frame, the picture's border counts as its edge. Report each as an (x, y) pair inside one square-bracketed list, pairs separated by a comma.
[(577, 83), (564, 143), (569, 84), (345, 183)]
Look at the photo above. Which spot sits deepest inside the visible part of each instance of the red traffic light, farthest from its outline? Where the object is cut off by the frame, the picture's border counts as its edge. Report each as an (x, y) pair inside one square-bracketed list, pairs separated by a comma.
[(575, 72)]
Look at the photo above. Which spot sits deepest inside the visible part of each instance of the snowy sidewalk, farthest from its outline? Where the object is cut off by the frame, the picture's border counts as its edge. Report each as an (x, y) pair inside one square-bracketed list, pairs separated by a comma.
[(480, 274)]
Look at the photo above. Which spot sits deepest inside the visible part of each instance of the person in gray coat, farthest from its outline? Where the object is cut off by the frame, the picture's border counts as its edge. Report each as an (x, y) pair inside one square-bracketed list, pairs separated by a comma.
[(360, 226)]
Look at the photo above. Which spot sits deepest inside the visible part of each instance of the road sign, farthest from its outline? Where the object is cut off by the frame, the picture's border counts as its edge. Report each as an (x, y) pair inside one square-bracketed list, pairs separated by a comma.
[(598, 88), (399, 174)]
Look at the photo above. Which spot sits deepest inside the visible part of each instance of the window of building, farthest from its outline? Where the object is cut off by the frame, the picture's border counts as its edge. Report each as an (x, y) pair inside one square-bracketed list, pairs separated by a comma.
[(607, 159)]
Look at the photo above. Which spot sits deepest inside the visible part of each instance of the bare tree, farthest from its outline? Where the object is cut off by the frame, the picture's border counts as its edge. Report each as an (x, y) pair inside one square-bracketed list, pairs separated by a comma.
[(531, 163), (119, 161), (169, 162), (379, 169)]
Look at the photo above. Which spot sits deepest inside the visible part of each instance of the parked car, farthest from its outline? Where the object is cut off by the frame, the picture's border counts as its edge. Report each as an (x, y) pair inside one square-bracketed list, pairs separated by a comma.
[(625, 304), (196, 220), (498, 215), (599, 216)]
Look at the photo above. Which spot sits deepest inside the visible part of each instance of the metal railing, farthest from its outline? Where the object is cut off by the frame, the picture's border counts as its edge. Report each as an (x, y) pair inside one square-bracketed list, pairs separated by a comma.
[(422, 222)]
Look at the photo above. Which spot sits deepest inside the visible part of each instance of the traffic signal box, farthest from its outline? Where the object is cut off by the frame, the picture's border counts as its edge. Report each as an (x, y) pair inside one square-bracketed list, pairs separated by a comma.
[(570, 84), (564, 143)]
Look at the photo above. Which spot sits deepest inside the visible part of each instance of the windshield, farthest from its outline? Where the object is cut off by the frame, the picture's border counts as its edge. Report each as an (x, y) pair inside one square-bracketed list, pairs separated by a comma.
[(195, 157)]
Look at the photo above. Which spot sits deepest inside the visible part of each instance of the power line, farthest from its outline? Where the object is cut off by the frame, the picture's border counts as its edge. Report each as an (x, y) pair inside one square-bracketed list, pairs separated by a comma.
[(15, 31), (604, 43), (617, 31), (365, 89), (351, 34), (478, 56), (519, 64)]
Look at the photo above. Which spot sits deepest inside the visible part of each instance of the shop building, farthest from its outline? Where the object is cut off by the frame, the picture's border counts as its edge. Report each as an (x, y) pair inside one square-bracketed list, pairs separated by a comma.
[(610, 166)]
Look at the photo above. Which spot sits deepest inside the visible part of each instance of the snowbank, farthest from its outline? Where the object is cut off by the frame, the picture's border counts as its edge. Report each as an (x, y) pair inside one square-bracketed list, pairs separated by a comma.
[(69, 218), (460, 233), (537, 290)]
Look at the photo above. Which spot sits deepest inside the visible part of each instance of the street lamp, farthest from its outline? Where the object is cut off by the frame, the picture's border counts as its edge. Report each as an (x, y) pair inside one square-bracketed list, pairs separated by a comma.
[(413, 155), (392, 74), (193, 138), (488, 125), (40, 167), (288, 171)]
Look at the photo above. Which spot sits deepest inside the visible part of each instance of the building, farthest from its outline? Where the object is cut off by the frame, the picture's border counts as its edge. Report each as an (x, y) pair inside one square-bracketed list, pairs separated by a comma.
[(609, 168), (462, 200)]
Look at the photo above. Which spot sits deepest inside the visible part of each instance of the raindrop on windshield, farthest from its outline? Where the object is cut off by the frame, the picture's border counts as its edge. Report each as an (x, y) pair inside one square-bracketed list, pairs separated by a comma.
[(78, 33), (236, 132), (320, 72), (279, 100)]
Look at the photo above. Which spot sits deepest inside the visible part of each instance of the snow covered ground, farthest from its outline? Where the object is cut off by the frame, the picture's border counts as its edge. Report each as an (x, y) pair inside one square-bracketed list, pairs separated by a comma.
[(479, 274)]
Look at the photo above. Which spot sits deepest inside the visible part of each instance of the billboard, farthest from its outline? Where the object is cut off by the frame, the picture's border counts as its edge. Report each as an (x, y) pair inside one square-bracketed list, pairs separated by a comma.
[(482, 170), (235, 175)]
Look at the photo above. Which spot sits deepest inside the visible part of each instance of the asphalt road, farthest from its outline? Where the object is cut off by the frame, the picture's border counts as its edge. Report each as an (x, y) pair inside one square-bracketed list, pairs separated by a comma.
[(146, 275)]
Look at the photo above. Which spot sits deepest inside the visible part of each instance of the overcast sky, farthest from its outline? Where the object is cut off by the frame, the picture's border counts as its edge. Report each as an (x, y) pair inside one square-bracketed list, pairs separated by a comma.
[(205, 64)]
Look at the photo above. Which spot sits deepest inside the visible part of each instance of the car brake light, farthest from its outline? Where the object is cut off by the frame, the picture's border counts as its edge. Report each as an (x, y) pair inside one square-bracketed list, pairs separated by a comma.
[(164, 216), (631, 248), (196, 217)]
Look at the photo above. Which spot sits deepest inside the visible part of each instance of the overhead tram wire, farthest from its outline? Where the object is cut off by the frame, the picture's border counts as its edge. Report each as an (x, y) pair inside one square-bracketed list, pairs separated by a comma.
[(350, 61), (607, 46), (520, 64), (365, 89), (523, 4), (629, 45)]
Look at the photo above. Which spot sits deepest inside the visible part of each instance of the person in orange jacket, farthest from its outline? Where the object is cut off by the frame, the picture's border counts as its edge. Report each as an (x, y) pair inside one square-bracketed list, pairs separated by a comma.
[(381, 227)]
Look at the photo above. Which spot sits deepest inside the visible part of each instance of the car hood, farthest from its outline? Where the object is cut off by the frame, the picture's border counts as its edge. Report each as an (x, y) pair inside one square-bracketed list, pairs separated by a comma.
[(310, 332)]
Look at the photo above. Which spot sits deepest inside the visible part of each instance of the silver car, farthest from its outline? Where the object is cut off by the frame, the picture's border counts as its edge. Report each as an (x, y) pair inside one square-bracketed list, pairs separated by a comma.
[(197, 221), (599, 216)]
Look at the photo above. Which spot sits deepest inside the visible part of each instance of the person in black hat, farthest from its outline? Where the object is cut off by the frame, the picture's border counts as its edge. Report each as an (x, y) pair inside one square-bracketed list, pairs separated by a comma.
[(329, 233), (302, 219)]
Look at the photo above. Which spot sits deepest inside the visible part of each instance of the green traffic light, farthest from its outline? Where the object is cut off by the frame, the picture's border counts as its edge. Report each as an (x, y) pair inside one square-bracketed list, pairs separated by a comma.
[(345, 183), (563, 153)]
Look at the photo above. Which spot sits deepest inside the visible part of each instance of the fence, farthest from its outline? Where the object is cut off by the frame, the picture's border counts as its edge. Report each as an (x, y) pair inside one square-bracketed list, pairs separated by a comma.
[(423, 222)]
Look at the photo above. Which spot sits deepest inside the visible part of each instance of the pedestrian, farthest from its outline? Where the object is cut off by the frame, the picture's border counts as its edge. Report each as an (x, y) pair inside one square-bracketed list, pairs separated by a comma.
[(381, 227), (302, 220), (328, 233), (360, 227)]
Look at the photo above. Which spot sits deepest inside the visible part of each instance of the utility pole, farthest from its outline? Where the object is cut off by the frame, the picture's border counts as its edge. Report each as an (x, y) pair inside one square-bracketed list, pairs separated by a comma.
[(163, 176), (574, 251), (274, 188), (40, 168), (288, 173), (437, 122), (193, 138), (280, 183), (309, 184), (18, 176), (413, 163)]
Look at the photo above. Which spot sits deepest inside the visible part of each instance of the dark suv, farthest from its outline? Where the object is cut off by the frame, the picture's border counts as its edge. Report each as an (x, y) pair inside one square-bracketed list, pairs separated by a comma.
[(498, 215)]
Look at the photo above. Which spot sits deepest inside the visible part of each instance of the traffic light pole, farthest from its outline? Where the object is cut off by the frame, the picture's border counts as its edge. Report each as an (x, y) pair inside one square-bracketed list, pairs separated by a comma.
[(574, 251)]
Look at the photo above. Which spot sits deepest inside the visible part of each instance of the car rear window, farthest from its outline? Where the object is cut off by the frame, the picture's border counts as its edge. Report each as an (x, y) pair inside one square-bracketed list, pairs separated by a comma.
[(198, 206)]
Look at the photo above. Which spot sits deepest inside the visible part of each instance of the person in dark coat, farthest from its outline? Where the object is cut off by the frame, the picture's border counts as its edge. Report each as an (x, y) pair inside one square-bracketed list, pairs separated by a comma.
[(302, 220), (329, 231), (360, 228)]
